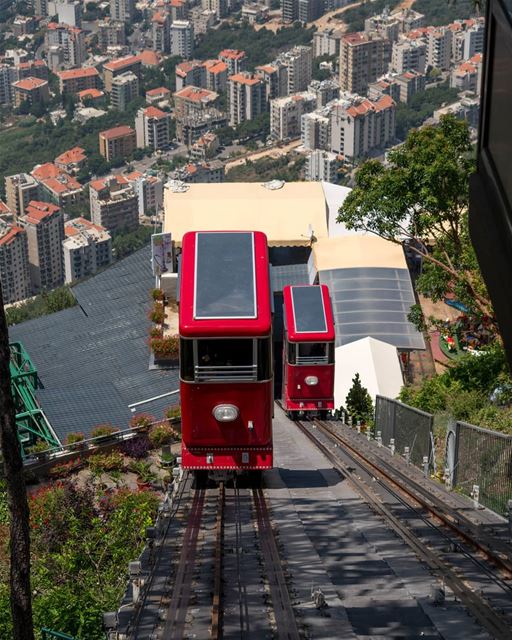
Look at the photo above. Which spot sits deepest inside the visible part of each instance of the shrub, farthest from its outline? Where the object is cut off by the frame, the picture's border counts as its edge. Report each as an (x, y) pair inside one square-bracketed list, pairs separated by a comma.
[(142, 421), (41, 446), (157, 294), (137, 447), (113, 461), (157, 314), (168, 347), (161, 434), (103, 430), (174, 411), (156, 332), (65, 468), (358, 401), (73, 438)]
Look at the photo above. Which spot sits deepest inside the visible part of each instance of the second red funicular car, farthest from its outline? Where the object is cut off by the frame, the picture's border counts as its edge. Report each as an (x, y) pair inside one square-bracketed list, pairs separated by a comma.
[(226, 372), (308, 358)]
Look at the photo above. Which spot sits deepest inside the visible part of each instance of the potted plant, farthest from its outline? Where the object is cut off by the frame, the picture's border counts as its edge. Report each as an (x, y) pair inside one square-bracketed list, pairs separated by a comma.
[(142, 422), (157, 294), (104, 433), (161, 434), (167, 459), (75, 440), (40, 450), (166, 349), (145, 477), (157, 313), (173, 413)]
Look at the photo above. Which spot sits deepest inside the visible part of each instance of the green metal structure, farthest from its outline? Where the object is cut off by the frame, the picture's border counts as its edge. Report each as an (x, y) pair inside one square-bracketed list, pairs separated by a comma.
[(49, 634), (31, 421)]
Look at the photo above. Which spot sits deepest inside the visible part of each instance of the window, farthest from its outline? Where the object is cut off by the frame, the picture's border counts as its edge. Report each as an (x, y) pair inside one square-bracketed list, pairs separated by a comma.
[(311, 353)]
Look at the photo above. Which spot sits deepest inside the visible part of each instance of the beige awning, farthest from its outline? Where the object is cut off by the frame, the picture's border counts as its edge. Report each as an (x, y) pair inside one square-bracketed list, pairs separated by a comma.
[(357, 251)]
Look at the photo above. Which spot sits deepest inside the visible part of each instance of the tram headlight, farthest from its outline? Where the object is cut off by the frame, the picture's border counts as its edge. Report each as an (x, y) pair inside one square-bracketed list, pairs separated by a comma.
[(225, 412), (311, 381)]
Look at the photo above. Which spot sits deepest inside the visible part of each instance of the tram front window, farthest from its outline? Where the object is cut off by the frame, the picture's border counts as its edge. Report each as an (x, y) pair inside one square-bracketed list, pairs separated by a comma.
[(225, 353)]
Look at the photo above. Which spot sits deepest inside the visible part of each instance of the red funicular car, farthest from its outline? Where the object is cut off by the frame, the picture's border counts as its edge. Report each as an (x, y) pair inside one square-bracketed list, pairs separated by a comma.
[(308, 358), (226, 372)]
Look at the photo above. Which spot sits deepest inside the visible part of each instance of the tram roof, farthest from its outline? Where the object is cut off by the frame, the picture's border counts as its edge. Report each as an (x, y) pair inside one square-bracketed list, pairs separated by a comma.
[(288, 215), (308, 313), (225, 284)]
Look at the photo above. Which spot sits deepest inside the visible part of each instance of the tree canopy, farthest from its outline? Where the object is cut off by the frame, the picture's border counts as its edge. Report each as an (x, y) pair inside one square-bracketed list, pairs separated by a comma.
[(420, 197)]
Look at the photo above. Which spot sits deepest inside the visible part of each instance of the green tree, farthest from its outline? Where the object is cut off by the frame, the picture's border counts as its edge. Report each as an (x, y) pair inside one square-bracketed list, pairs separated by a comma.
[(358, 401), (421, 197)]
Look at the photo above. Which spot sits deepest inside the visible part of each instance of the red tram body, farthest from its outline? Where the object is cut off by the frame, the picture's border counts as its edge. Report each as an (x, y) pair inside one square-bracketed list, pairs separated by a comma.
[(308, 357), (226, 371)]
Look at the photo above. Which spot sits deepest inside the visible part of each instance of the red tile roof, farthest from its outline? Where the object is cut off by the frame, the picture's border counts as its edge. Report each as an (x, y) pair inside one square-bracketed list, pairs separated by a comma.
[(76, 154), (117, 132), (216, 66), (46, 170), (232, 54), (149, 58), (100, 184), (159, 91), (245, 79), (153, 112), (90, 93), (29, 84), (11, 234), (72, 228), (37, 211), (121, 63), (86, 72), (195, 94)]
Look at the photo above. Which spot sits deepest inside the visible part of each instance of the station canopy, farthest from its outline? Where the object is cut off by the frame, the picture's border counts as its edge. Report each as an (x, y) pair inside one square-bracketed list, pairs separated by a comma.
[(371, 290)]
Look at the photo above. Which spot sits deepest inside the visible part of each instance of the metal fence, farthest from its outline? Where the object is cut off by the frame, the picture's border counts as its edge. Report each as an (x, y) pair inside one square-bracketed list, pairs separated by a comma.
[(408, 426), (484, 458)]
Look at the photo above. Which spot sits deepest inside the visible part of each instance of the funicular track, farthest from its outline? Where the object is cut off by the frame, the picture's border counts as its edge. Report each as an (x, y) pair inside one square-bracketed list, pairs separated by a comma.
[(407, 507), (242, 527)]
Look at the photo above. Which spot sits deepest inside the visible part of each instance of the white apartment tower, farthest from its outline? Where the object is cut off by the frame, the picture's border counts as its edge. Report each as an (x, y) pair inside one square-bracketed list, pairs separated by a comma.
[(286, 114), (125, 88), (299, 62), (152, 128), (123, 10), (322, 166), (14, 271), (86, 248), (182, 38), (409, 55), (114, 204), (247, 97), (439, 48)]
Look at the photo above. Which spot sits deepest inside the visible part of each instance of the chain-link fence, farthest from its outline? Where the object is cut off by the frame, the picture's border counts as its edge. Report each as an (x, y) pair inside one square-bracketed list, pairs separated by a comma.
[(484, 458), (408, 426)]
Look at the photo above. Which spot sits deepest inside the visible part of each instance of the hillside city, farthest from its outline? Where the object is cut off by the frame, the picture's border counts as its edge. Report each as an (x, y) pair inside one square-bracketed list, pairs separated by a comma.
[(102, 103)]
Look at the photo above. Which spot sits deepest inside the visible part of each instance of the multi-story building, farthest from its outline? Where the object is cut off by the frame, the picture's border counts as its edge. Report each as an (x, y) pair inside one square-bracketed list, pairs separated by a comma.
[(385, 25), (90, 97), (114, 204), (190, 73), (235, 59), (192, 101), (439, 48), (41, 8), (117, 67), (467, 76), (111, 33), (202, 20), (71, 161), (24, 25), (20, 189), (220, 7), (409, 19), (467, 108), (161, 31), (150, 193), (359, 125), (216, 73), (76, 80), (324, 90), (57, 186), (363, 59), (118, 142), (190, 128), (182, 38), (409, 55), (67, 44), (302, 10), (7, 77), (125, 88), (467, 38), (123, 10), (401, 87), (158, 95), (14, 270), (32, 69), (205, 147), (299, 62), (275, 77), (30, 90), (327, 42), (212, 171), (69, 12), (86, 248), (316, 129), (44, 225), (286, 113), (247, 97), (152, 128), (322, 166)]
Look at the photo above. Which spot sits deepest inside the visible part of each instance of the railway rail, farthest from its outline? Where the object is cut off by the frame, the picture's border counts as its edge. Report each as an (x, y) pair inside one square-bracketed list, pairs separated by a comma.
[(418, 509)]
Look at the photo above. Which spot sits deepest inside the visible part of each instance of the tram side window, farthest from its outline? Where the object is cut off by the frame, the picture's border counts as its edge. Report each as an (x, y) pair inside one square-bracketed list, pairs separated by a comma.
[(225, 353), (312, 349), (187, 360), (264, 358)]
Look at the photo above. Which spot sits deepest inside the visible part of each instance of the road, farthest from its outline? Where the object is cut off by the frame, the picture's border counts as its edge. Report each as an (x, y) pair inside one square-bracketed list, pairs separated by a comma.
[(273, 152)]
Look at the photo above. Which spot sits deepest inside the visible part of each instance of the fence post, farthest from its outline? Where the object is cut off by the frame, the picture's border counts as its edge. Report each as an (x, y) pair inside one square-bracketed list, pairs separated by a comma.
[(425, 466), (349, 421), (379, 438), (392, 446), (407, 454), (475, 494), (359, 426)]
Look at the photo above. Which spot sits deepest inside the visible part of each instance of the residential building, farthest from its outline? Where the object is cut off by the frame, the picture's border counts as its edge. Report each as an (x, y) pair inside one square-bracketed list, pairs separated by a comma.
[(193, 101), (40, 8), (44, 225), (161, 31), (182, 38), (216, 73), (198, 172), (57, 186), (31, 69), (150, 193), (401, 87), (235, 59), (30, 90), (286, 114), (275, 77), (114, 204), (86, 248), (255, 12), (8, 75), (152, 127), (219, 7), (119, 142), (385, 25), (322, 166), (439, 48), (75, 80), (24, 25), (20, 189), (202, 20), (125, 88), (316, 129), (246, 96), (205, 147), (90, 96), (14, 270), (363, 59), (467, 108), (467, 38), (302, 10), (123, 10), (327, 42), (67, 45), (71, 161), (5, 213), (117, 67), (69, 12), (409, 55), (190, 73), (190, 128), (156, 96), (360, 126), (409, 19), (324, 90), (467, 76), (299, 62), (111, 33)]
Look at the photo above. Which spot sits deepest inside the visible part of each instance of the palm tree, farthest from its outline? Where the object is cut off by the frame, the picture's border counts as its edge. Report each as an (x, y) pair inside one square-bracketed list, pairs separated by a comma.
[(21, 603)]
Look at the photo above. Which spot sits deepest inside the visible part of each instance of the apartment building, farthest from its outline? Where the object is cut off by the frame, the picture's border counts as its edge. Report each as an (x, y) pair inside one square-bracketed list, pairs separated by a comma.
[(216, 73), (161, 31), (246, 96), (32, 69), (20, 189), (114, 204), (439, 48), (322, 166), (385, 25), (86, 248), (235, 59), (286, 114), (302, 10), (69, 12), (205, 147), (111, 33), (76, 80), (359, 125), (117, 67), (14, 270), (201, 172), (190, 73), (324, 90), (182, 38), (363, 59), (327, 42), (150, 193), (299, 63), (409, 19), (467, 108), (57, 186), (67, 45), (30, 90), (118, 142), (190, 128), (467, 38), (316, 129), (193, 101), (202, 20), (44, 226), (467, 76), (160, 94), (152, 128), (125, 88), (275, 77), (409, 55), (401, 87), (123, 10), (219, 7), (71, 161), (7, 77)]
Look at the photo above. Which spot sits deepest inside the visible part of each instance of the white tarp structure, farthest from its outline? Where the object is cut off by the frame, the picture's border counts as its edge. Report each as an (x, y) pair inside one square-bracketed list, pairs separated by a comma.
[(377, 364)]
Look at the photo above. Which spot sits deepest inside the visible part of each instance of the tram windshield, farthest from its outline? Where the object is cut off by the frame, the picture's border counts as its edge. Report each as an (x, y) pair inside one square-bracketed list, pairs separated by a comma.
[(311, 353)]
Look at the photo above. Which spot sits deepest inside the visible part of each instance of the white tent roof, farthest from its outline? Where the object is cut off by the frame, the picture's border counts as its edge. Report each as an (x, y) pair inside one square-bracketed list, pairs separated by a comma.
[(335, 195), (377, 364)]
